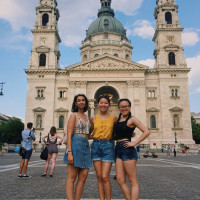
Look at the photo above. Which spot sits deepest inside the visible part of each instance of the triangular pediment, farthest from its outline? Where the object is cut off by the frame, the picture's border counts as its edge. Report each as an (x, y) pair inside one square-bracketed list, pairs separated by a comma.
[(176, 109), (39, 109), (61, 110), (152, 110), (107, 63)]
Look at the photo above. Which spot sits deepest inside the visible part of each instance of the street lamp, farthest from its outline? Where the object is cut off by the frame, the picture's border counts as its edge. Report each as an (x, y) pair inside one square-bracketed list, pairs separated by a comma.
[(1, 89), (40, 137), (175, 138)]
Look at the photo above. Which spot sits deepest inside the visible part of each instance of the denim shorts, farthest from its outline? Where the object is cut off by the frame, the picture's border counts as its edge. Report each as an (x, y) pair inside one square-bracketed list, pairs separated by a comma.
[(103, 150), (80, 151), (27, 155), (124, 153)]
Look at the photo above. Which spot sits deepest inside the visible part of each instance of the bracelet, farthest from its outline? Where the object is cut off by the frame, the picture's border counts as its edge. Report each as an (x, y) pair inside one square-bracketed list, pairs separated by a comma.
[(69, 151)]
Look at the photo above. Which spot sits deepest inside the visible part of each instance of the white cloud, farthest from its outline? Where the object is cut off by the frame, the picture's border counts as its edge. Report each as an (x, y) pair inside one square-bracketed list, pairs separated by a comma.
[(148, 62), (76, 15), (143, 29), (19, 13), (194, 81), (190, 38), (128, 7)]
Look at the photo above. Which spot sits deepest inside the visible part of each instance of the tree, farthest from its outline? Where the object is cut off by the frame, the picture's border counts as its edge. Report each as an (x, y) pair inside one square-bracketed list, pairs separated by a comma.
[(195, 130), (10, 131)]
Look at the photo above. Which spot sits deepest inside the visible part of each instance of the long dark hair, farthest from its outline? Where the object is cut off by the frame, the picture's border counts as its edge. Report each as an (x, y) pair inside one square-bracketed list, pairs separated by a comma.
[(129, 115), (53, 130), (75, 108), (116, 124), (104, 96)]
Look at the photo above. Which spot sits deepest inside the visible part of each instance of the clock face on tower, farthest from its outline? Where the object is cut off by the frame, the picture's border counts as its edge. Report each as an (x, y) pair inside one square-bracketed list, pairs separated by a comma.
[(43, 41), (170, 39)]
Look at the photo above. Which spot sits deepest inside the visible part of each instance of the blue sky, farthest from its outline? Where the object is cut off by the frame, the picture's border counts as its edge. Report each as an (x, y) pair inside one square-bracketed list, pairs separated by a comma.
[(17, 18)]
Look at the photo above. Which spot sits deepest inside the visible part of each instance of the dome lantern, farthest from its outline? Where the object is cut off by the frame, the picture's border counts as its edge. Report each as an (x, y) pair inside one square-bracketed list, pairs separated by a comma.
[(106, 8)]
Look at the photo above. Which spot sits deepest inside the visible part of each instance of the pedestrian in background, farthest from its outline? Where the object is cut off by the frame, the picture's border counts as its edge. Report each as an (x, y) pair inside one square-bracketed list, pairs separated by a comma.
[(27, 137), (162, 148), (138, 151), (174, 150), (183, 150), (52, 142), (168, 150)]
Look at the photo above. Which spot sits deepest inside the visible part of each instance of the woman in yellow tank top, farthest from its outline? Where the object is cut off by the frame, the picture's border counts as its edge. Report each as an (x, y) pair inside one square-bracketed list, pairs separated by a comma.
[(102, 150)]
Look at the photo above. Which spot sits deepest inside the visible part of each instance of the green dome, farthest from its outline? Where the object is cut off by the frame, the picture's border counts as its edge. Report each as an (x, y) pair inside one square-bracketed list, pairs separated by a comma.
[(106, 23)]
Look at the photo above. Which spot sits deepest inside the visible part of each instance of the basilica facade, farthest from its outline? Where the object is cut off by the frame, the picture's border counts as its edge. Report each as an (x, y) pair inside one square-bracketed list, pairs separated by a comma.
[(159, 96)]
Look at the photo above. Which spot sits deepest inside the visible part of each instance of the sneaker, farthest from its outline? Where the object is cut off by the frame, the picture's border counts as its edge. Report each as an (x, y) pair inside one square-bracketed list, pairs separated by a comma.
[(26, 176), (20, 176), (43, 175)]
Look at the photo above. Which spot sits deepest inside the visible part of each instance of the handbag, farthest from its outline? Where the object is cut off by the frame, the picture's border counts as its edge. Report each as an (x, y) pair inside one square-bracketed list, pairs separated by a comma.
[(44, 154), (22, 150)]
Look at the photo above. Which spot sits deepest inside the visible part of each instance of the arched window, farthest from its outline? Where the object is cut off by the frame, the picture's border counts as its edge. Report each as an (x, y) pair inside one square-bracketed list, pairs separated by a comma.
[(127, 57), (171, 58), (42, 59), (39, 121), (38, 93), (116, 54), (172, 92), (153, 121), (176, 93), (106, 22), (106, 36), (149, 94), (85, 57), (96, 55), (42, 93), (176, 121), (45, 20), (61, 121), (153, 93), (168, 18)]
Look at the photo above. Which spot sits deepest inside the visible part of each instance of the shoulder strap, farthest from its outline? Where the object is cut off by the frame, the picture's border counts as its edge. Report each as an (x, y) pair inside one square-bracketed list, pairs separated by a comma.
[(28, 139)]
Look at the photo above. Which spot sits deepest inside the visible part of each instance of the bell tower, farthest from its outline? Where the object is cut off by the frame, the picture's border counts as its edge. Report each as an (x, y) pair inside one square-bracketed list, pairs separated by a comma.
[(46, 39), (168, 51)]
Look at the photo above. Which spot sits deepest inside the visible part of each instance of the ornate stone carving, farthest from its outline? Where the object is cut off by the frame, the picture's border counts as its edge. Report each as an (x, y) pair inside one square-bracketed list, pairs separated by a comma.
[(136, 83)]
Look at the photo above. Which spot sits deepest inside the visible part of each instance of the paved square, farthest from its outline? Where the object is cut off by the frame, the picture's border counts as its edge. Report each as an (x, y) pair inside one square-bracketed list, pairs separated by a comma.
[(162, 178)]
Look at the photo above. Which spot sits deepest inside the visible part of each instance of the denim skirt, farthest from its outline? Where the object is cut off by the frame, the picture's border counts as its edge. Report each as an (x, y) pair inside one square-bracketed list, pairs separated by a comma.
[(80, 151)]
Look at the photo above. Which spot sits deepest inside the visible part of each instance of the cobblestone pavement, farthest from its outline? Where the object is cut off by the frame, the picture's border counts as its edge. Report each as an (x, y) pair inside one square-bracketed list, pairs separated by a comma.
[(161, 178)]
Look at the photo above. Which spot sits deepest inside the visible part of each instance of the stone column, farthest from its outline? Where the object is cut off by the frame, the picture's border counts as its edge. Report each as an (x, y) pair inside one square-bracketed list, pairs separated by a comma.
[(91, 105), (130, 94)]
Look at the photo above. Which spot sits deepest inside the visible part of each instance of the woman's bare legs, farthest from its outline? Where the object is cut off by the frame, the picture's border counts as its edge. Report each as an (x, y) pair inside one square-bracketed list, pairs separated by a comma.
[(98, 169), (103, 176), (121, 179), (131, 172), (72, 173), (71, 177), (47, 164), (53, 164), (82, 176)]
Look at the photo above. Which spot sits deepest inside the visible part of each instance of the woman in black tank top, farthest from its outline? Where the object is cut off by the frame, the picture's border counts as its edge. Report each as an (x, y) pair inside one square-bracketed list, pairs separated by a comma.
[(125, 152)]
